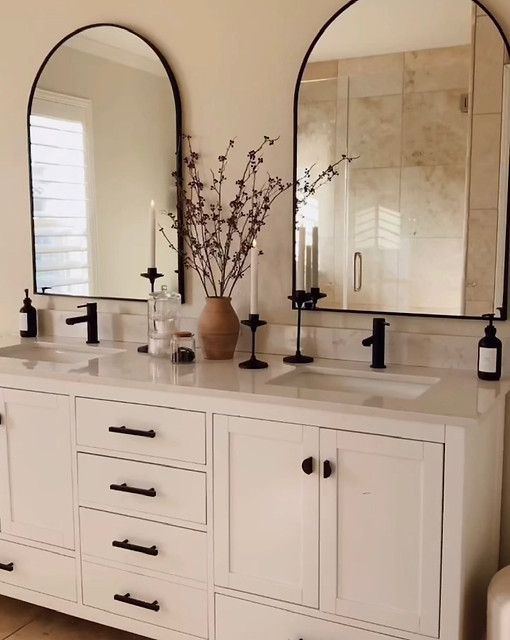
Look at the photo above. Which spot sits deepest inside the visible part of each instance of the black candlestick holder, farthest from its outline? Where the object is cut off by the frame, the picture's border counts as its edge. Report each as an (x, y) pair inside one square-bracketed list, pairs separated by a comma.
[(152, 275), (316, 295), (299, 298), (254, 323)]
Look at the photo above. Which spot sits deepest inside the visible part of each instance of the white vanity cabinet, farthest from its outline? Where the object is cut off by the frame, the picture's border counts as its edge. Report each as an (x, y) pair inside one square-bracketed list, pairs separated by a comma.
[(381, 522), (164, 514), (36, 501), (266, 509), (380, 505)]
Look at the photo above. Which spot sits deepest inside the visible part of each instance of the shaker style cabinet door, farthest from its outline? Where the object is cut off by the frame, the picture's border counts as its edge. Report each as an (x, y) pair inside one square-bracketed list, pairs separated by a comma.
[(381, 521), (266, 506), (35, 467)]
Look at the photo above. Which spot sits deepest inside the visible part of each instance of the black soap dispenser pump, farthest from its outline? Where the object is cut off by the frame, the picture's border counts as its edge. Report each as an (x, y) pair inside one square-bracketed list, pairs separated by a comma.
[(489, 352), (27, 318)]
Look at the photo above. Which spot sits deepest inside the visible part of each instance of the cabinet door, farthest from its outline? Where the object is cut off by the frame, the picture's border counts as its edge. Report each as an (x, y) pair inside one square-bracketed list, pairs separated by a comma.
[(266, 512), (381, 521), (35, 467)]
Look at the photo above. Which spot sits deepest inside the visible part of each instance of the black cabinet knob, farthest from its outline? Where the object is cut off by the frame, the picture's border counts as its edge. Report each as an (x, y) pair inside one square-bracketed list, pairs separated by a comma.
[(7, 567), (307, 465), (327, 471)]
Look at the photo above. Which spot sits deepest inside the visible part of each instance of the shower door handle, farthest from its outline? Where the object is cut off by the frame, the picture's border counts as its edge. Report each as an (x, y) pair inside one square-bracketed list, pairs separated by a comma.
[(358, 271)]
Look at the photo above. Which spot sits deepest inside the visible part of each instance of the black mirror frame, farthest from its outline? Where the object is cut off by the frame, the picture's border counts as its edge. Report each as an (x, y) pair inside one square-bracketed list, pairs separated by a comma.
[(504, 308), (178, 168)]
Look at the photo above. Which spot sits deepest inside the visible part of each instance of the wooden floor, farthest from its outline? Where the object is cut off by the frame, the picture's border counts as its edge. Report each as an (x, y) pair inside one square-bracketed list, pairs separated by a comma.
[(23, 621)]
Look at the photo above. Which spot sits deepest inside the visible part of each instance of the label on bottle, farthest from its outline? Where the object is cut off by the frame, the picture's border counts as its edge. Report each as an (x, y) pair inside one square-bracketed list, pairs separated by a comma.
[(23, 322), (488, 360)]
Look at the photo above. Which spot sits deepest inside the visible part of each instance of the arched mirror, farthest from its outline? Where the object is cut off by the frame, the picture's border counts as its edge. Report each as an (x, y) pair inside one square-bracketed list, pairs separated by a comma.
[(104, 123), (417, 94)]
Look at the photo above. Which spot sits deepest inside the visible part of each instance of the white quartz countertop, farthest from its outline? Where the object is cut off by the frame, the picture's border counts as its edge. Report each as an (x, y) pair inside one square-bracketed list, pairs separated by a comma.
[(455, 397)]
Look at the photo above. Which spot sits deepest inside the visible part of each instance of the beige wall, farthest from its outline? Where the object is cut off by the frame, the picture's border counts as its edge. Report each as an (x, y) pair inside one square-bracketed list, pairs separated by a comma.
[(236, 65)]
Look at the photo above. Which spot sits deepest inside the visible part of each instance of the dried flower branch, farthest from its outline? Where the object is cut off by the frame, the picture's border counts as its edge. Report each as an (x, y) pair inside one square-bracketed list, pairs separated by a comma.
[(217, 235)]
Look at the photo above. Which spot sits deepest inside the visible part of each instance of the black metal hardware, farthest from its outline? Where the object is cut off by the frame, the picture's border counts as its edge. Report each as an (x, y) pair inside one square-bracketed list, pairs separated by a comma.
[(127, 599), (152, 274), (151, 493), (90, 318), (307, 465), (125, 544), (150, 433), (327, 469), (316, 295), (7, 567), (377, 342), (299, 298), (254, 322)]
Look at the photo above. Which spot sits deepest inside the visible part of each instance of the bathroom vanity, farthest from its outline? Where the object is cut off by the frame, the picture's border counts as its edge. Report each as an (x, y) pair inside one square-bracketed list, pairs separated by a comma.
[(325, 503)]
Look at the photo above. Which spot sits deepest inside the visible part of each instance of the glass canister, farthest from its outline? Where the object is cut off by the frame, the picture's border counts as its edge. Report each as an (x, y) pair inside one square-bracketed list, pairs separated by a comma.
[(182, 347), (163, 314)]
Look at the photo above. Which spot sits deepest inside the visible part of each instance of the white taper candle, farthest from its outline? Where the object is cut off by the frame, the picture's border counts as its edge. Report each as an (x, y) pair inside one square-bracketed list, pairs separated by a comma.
[(254, 273), (152, 235), (308, 268), (315, 257), (300, 262)]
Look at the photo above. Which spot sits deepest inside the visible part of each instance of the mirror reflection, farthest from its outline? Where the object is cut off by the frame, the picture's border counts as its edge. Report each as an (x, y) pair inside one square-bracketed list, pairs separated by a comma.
[(104, 123), (418, 92)]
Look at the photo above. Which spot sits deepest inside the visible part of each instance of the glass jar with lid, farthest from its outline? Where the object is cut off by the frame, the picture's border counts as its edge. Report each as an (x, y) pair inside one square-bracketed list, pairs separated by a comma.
[(182, 347), (163, 320)]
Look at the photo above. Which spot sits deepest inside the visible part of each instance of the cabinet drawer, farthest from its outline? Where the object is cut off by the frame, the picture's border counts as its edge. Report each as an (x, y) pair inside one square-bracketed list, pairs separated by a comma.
[(236, 619), (38, 570), (180, 607), (141, 429), (158, 491), (151, 545)]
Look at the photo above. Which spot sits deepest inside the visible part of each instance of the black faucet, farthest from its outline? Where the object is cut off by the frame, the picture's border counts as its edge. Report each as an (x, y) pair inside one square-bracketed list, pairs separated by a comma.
[(376, 341), (90, 318)]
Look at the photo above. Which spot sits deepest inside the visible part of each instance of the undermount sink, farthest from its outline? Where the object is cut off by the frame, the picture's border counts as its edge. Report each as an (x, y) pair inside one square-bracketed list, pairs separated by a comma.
[(52, 352), (382, 383)]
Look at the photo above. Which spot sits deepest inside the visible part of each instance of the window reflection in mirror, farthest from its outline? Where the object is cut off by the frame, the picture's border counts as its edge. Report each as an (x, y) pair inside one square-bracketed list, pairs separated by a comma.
[(418, 91), (103, 127)]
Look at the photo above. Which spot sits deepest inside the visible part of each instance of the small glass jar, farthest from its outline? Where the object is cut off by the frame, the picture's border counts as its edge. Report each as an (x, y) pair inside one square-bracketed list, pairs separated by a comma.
[(182, 347), (163, 313)]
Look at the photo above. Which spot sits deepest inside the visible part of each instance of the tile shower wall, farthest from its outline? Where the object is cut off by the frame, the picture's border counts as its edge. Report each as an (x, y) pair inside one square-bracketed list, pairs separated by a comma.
[(400, 113), (481, 255)]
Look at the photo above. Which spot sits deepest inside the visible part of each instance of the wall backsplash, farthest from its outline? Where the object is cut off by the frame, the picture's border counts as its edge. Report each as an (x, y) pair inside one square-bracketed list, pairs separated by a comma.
[(224, 95), (458, 352)]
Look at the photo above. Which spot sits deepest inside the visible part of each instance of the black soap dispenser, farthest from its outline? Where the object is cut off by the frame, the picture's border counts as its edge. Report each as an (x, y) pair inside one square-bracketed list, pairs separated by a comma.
[(489, 352), (27, 318)]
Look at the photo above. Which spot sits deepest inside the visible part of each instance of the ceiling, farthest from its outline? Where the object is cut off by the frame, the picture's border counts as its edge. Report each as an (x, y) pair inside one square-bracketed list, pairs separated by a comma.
[(117, 45), (374, 27)]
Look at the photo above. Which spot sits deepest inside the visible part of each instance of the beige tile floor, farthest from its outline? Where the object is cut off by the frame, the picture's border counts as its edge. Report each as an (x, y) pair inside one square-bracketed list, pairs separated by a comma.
[(23, 621)]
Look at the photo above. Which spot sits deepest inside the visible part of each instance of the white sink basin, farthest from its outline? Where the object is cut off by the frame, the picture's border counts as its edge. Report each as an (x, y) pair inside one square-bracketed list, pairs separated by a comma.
[(52, 352), (371, 383)]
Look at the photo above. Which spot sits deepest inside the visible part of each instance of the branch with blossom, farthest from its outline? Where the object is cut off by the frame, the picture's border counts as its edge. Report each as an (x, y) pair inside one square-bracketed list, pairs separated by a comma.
[(217, 231)]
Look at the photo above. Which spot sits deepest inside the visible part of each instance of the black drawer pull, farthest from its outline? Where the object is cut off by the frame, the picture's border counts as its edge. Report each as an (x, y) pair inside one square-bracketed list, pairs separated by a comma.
[(327, 469), (127, 599), (7, 567), (133, 432), (125, 544), (307, 466), (151, 493)]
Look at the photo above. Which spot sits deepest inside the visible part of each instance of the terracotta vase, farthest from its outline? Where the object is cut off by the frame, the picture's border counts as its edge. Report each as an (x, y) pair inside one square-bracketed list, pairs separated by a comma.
[(218, 327)]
